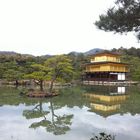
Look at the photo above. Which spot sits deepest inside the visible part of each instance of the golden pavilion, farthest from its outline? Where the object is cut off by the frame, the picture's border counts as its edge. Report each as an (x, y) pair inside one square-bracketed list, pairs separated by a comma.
[(106, 66)]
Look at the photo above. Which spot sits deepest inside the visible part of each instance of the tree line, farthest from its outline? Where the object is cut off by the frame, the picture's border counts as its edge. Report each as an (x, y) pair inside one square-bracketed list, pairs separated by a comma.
[(131, 56), (62, 68)]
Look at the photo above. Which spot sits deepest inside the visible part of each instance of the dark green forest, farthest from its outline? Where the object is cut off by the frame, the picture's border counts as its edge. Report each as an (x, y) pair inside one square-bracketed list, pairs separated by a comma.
[(18, 67), (132, 57)]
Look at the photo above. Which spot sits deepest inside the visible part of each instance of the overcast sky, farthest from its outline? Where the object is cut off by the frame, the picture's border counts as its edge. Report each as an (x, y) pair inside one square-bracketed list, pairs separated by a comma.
[(41, 27)]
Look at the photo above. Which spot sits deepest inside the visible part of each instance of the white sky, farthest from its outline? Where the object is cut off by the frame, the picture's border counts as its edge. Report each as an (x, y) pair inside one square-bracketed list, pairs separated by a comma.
[(41, 27)]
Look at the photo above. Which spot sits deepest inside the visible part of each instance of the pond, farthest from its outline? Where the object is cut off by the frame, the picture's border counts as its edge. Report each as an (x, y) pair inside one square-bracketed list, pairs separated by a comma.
[(80, 112)]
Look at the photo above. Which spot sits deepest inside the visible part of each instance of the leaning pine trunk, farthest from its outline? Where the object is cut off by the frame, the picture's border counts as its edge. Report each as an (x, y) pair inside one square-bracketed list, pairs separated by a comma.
[(41, 85), (17, 83), (51, 86), (40, 106)]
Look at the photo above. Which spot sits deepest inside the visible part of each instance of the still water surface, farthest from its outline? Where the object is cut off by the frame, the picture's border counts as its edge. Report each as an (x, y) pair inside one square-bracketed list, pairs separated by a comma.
[(77, 113)]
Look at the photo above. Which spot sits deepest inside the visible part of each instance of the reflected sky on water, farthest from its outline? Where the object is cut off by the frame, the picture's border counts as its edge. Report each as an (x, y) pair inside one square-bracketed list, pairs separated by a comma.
[(70, 115)]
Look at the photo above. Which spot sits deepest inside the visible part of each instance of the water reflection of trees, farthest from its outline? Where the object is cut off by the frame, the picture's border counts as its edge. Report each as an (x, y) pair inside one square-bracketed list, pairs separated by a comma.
[(103, 136), (36, 112), (70, 97), (58, 124)]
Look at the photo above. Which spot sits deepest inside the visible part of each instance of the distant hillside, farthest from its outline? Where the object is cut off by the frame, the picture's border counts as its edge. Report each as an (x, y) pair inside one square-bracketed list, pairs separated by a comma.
[(90, 52), (75, 53), (12, 53), (7, 53), (93, 51), (46, 56)]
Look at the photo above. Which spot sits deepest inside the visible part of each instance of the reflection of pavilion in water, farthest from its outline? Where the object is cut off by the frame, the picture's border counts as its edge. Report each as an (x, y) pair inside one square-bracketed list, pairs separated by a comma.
[(107, 103)]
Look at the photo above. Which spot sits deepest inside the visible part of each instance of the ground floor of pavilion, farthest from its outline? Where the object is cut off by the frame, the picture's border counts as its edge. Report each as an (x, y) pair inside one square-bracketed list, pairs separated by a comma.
[(105, 76)]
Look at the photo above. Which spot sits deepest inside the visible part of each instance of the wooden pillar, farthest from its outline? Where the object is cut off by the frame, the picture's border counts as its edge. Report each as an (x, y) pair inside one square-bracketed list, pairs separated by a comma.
[(88, 79), (109, 77), (100, 76)]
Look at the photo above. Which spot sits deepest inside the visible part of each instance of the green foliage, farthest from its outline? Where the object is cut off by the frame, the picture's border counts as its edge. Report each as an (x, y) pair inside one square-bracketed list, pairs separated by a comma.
[(13, 67), (78, 61), (134, 65), (131, 56), (59, 68), (12, 71), (123, 17), (38, 72), (2, 70), (12, 75), (103, 136)]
